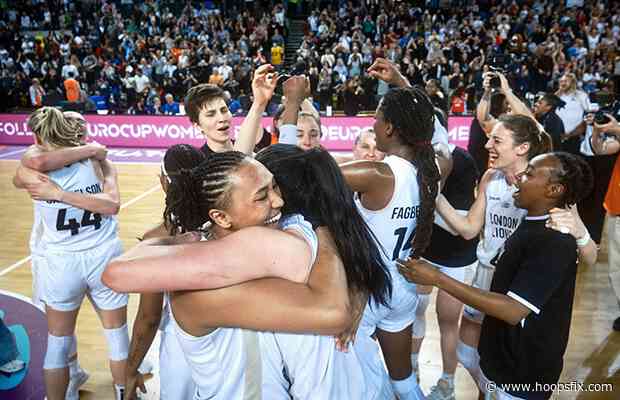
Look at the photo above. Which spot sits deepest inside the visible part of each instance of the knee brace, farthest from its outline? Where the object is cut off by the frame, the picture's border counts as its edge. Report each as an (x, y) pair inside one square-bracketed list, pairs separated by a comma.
[(419, 324), (469, 357), (118, 343), (57, 354)]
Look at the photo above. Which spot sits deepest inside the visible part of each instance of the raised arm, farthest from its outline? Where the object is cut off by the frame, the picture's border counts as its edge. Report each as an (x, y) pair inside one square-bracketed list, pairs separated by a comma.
[(321, 306), (375, 180), (469, 225), (262, 90), (483, 114), (251, 253), (516, 105), (42, 160)]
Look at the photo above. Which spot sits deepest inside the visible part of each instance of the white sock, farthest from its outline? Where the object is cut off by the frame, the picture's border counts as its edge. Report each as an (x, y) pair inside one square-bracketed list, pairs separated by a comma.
[(74, 367), (408, 388), (414, 360), (119, 391)]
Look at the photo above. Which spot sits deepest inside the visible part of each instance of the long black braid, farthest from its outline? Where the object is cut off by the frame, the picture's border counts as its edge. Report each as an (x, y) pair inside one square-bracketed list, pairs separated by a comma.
[(196, 191), (411, 113), (576, 177)]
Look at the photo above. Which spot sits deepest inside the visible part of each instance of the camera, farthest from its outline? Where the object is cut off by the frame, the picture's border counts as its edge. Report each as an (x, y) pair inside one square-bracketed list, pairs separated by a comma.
[(600, 117), (495, 82)]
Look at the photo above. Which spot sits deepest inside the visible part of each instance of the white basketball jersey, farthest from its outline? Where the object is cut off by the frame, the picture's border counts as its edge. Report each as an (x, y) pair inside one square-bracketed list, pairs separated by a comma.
[(501, 219), (233, 363), (68, 228), (394, 225)]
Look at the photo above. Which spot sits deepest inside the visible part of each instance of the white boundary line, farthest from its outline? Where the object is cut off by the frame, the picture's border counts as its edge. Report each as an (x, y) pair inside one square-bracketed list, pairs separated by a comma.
[(130, 202), (10, 153)]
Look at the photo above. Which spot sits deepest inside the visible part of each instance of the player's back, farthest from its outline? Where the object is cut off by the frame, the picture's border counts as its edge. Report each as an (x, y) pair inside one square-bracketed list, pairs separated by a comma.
[(68, 228)]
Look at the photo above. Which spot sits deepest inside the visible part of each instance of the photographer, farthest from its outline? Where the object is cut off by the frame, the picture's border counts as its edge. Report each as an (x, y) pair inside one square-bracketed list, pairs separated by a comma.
[(606, 140)]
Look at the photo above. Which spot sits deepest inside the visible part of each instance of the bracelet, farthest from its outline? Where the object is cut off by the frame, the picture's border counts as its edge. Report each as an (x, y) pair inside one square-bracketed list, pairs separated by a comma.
[(582, 241)]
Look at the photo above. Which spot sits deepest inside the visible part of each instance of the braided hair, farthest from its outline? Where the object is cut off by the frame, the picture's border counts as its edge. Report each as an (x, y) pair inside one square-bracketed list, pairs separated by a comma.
[(412, 115), (195, 191), (576, 177), (313, 185), (179, 157)]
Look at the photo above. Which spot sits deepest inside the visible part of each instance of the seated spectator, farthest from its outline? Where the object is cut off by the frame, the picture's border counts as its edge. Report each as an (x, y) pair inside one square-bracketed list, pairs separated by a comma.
[(170, 107)]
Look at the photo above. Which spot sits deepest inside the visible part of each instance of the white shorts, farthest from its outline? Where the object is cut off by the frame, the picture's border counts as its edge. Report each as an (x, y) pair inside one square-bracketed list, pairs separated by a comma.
[(35, 262), (174, 373), (482, 280), (457, 273), (492, 391), (65, 277), (401, 311)]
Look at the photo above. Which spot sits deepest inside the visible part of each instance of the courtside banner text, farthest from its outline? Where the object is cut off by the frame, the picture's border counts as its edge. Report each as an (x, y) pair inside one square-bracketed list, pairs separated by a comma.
[(338, 133)]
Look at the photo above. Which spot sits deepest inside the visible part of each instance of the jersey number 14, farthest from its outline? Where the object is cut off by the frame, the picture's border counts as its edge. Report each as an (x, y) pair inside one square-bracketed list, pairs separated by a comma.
[(73, 225)]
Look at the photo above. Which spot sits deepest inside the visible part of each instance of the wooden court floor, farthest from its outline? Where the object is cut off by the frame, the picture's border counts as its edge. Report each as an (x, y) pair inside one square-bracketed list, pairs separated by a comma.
[(593, 354)]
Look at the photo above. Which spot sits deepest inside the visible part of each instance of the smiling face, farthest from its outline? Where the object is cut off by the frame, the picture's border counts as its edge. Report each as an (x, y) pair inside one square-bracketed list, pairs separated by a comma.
[(503, 152), (366, 148), (308, 133), (214, 120), (537, 192), (254, 199)]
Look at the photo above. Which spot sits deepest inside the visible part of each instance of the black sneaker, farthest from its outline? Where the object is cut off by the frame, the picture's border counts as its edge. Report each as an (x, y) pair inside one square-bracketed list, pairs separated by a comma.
[(617, 325)]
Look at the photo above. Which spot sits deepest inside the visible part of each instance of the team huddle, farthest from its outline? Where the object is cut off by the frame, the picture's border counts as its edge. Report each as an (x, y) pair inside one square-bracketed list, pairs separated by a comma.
[(288, 273)]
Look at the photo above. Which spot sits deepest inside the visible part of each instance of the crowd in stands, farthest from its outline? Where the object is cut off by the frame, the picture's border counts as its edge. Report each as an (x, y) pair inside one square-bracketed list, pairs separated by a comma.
[(133, 54), (448, 49), (137, 57)]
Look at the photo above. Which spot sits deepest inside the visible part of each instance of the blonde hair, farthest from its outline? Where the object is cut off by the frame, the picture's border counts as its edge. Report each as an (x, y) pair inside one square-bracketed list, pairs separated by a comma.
[(52, 127), (573, 83)]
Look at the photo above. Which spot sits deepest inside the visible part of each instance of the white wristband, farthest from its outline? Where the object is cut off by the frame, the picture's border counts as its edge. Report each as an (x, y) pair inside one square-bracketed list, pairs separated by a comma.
[(584, 240)]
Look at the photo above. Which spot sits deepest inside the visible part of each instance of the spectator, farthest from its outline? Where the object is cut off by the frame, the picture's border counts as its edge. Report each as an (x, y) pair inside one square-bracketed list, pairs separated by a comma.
[(72, 88), (545, 113), (606, 141), (36, 93), (277, 54), (170, 107)]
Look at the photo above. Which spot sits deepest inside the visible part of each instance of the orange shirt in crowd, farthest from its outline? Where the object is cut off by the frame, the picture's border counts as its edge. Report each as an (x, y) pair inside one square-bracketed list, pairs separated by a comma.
[(612, 199), (72, 88)]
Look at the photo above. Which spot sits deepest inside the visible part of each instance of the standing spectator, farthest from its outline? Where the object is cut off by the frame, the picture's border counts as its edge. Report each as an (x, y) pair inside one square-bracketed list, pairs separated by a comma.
[(277, 55), (438, 98), (72, 88), (606, 140), (544, 111), (577, 104), (171, 107), (141, 81), (36, 93)]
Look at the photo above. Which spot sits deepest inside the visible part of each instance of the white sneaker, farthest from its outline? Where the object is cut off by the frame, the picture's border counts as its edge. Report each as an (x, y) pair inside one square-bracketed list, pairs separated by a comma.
[(441, 391), (75, 383), (12, 366)]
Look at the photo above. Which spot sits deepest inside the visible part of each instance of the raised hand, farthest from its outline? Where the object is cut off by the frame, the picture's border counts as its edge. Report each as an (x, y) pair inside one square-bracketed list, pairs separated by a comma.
[(386, 71), (264, 83)]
